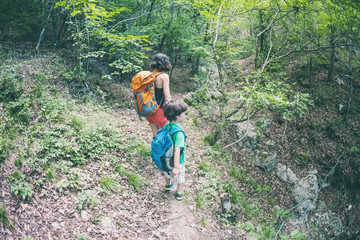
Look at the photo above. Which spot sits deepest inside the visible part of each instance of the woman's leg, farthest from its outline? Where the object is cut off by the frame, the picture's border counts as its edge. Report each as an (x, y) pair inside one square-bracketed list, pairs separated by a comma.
[(154, 128)]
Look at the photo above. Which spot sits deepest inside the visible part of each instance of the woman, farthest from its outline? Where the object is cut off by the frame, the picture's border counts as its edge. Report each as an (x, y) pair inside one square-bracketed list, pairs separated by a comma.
[(160, 63)]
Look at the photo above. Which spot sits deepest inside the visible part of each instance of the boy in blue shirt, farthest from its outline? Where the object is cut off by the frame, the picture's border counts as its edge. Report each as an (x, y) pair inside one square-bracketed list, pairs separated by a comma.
[(175, 112)]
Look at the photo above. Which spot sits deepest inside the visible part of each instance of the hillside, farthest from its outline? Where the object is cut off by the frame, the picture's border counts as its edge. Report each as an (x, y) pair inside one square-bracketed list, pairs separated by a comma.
[(75, 165)]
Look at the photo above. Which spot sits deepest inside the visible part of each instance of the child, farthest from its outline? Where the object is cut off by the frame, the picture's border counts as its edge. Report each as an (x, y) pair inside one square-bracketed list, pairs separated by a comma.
[(175, 112)]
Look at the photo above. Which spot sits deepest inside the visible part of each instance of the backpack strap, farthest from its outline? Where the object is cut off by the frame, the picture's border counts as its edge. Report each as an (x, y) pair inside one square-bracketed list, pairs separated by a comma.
[(172, 131)]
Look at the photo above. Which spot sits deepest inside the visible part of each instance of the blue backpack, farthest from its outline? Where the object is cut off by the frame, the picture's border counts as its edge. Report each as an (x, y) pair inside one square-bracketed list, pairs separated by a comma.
[(162, 148)]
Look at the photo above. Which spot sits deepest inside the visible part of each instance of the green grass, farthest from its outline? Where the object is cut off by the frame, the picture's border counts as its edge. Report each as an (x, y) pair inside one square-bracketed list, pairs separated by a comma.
[(109, 184), (136, 181), (5, 219)]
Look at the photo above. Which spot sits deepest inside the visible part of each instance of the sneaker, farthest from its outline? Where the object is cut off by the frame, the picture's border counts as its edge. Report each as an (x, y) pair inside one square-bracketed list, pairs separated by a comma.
[(178, 196), (168, 186)]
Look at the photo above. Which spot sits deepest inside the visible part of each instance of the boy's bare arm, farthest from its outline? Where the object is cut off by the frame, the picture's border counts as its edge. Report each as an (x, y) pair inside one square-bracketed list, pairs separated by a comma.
[(176, 162)]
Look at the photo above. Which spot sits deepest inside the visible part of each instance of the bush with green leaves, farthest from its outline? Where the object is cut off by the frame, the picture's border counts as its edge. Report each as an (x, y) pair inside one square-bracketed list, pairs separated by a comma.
[(11, 85), (19, 187)]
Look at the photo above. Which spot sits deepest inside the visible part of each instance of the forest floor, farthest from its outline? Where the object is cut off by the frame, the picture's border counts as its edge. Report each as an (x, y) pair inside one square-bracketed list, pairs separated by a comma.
[(135, 205)]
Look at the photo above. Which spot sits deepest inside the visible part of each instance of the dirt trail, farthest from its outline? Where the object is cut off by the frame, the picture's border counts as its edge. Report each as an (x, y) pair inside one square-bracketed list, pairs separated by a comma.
[(181, 222)]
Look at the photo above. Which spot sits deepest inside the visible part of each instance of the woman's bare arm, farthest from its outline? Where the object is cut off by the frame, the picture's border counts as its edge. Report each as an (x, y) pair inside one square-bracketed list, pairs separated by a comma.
[(166, 86)]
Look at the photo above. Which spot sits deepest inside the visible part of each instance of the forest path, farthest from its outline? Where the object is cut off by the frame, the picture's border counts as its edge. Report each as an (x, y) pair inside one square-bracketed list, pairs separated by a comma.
[(179, 218)]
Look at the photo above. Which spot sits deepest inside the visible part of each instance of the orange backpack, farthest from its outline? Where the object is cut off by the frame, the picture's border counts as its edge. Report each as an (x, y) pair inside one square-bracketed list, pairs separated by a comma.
[(143, 85)]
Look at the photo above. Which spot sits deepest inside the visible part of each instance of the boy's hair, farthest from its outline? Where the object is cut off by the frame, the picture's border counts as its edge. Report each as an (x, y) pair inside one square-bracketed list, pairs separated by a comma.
[(174, 108), (161, 62)]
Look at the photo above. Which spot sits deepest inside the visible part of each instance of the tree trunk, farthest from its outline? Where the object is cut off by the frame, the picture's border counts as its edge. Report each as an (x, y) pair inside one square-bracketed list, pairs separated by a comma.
[(172, 8), (351, 83), (332, 56), (149, 15), (43, 30), (310, 71)]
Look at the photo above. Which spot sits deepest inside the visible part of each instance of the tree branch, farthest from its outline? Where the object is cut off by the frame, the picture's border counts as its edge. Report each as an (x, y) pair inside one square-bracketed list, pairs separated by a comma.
[(133, 18)]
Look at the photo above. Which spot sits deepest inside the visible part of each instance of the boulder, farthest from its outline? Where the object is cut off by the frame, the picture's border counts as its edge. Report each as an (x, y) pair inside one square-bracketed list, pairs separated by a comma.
[(251, 140), (352, 217), (264, 160), (304, 195), (285, 174), (328, 220)]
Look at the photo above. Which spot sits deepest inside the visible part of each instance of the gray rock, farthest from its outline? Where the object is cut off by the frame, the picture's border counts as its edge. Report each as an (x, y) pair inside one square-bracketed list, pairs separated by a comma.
[(264, 160), (190, 98), (267, 124), (321, 205), (271, 146), (285, 174), (250, 141), (304, 195), (336, 225), (108, 224), (85, 216), (329, 221), (352, 217), (225, 203)]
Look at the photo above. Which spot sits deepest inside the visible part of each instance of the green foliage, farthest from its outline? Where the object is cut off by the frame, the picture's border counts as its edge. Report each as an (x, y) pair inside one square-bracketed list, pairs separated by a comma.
[(5, 220), (109, 184), (86, 199), (143, 150), (50, 172), (20, 110), (236, 196), (199, 201), (18, 162), (121, 170), (11, 85), (204, 168), (273, 93), (76, 181), (92, 23), (136, 181), (4, 149), (19, 187), (83, 237)]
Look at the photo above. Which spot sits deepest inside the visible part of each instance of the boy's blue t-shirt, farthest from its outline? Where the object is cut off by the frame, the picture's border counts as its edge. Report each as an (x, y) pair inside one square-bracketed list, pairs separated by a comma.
[(179, 140)]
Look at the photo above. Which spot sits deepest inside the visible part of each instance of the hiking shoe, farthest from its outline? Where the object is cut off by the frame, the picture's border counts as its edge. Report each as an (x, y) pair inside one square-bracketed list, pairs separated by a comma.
[(168, 186), (178, 196)]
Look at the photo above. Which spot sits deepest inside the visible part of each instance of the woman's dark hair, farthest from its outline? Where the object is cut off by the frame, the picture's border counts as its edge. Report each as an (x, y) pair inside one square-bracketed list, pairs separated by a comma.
[(174, 108), (161, 62)]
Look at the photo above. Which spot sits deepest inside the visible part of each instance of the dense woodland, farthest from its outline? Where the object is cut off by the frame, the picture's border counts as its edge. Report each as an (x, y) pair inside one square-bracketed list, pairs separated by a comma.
[(288, 68)]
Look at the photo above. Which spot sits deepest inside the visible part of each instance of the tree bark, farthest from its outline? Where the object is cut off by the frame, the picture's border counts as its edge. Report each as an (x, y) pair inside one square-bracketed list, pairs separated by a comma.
[(332, 55), (43, 30), (172, 9), (351, 83)]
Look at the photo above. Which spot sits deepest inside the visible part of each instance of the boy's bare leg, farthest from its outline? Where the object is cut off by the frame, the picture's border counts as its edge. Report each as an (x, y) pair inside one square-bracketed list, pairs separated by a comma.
[(167, 180), (180, 187)]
